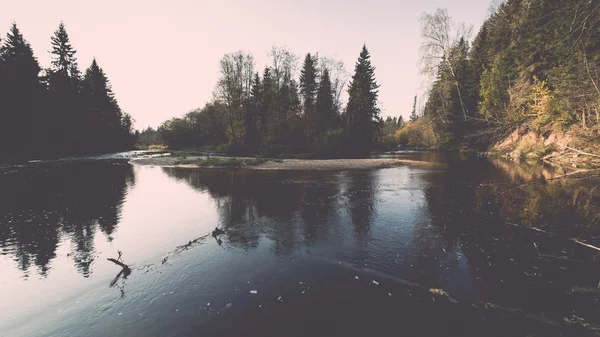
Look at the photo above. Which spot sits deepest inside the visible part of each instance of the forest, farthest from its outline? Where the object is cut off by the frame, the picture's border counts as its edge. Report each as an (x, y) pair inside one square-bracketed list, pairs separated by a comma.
[(271, 113), (59, 111), (533, 66)]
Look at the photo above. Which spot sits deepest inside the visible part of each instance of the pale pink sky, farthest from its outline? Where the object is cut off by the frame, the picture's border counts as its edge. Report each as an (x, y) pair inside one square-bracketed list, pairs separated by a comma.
[(162, 56)]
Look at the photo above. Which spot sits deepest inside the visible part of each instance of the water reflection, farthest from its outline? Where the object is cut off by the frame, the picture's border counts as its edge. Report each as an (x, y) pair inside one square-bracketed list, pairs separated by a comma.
[(288, 207), (41, 203), (466, 227), (513, 229), (459, 239)]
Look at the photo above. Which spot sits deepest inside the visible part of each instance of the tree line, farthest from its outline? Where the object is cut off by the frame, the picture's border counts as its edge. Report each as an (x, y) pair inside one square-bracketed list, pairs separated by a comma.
[(533, 65), (59, 110), (273, 113)]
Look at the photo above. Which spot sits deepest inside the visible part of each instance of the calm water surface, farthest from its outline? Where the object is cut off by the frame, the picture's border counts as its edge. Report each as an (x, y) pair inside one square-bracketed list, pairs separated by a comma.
[(458, 247)]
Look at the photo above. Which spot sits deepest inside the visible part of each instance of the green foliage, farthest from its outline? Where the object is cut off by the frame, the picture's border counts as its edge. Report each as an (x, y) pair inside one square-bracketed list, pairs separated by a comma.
[(275, 115), (331, 142), (536, 63), (418, 135), (308, 90), (148, 137), (326, 116), (388, 130)]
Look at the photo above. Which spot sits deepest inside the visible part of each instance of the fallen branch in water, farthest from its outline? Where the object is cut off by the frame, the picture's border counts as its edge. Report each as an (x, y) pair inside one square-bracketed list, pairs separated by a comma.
[(536, 248), (123, 265), (585, 244)]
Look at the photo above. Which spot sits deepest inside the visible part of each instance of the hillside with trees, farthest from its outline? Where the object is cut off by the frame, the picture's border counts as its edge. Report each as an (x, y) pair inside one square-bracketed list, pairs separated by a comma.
[(273, 113), (56, 111), (527, 85)]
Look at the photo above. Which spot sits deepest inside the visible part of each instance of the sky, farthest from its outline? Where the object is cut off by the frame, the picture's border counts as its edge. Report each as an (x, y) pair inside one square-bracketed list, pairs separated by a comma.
[(162, 57)]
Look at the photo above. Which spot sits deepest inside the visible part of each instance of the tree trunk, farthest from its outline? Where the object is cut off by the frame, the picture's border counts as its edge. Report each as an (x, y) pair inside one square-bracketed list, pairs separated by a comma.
[(462, 104)]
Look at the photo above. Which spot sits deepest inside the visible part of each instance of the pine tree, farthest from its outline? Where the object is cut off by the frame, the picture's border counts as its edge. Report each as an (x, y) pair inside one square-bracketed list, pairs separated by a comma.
[(308, 90), (362, 111), (325, 105), (20, 94), (413, 114)]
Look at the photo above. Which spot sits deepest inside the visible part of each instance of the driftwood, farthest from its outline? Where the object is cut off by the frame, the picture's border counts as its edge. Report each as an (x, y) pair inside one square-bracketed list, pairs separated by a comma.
[(123, 265), (585, 244)]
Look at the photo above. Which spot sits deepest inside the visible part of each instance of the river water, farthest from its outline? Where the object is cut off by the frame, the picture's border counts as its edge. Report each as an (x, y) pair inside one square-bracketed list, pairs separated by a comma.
[(458, 247)]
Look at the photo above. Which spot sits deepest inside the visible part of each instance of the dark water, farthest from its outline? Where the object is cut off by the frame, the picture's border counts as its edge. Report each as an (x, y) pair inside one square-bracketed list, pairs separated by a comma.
[(459, 247)]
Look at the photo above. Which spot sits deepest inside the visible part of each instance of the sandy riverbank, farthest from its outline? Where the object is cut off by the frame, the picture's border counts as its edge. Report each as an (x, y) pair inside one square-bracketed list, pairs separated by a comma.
[(291, 164)]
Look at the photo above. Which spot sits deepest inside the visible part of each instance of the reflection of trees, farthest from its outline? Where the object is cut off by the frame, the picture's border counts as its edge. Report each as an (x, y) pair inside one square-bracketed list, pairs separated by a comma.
[(360, 191), (40, 202), (242, 197), (570, 207), (468, 214), (291, 208)]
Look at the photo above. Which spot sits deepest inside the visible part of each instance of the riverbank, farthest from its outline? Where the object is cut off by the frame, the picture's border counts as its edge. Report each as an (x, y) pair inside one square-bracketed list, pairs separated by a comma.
[(278, 164), (575, 149)]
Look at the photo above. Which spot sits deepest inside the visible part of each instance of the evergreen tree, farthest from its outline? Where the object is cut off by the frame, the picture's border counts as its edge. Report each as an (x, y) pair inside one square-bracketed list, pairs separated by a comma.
[(325, 105), (400, 122), (107, 129), (64, 61), (266, 105), (65, 86), (413, 113), (308, 90), (253, 117), (362, 111), (20, 94)]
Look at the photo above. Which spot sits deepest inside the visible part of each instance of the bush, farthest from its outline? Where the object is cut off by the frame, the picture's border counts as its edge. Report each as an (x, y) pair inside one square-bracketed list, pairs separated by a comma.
[(331, 142), (418, 135)]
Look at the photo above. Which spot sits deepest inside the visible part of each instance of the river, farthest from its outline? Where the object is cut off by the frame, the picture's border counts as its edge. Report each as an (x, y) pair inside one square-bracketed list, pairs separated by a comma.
[(466, 247)]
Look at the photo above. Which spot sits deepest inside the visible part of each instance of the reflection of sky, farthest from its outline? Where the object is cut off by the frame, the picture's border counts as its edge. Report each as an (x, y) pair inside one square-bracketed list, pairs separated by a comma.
[(402, 224), (157, 215)]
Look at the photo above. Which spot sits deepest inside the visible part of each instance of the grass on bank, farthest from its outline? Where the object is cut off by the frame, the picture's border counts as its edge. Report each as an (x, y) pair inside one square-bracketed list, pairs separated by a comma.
[(226, 162)]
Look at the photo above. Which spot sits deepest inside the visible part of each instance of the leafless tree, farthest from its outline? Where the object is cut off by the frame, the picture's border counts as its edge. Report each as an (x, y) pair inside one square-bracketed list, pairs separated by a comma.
[(440, 34), (233, 89), (338, 74)]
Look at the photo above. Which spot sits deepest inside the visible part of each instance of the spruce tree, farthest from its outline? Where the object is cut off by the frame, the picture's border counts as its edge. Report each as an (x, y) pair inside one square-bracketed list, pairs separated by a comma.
[(64, 61), (266, 105), (325, 105), (106, 128), (400, 122), (413, 113), (65, 86), (20, 95), (362, 111), (308, 90), (252, 118)]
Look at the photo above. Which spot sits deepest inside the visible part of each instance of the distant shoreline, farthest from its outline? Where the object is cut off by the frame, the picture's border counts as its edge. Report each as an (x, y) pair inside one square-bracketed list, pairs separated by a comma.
[(284, 164)]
